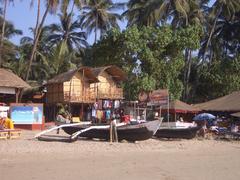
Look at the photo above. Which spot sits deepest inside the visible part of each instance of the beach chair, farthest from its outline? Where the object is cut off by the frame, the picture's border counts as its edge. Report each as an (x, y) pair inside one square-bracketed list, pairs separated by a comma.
[(3, 134), (14, 133)]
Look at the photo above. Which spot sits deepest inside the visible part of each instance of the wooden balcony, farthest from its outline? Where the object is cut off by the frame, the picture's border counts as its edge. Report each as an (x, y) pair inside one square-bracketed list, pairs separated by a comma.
[(88, 96), (112, 93)]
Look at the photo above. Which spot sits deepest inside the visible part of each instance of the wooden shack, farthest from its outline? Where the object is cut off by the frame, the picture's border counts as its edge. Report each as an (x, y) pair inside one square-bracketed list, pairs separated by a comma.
[(10, 86), (73, 88), (109, 79)]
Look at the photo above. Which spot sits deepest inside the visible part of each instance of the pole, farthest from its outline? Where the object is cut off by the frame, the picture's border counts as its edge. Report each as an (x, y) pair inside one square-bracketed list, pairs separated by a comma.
[(168, 111)]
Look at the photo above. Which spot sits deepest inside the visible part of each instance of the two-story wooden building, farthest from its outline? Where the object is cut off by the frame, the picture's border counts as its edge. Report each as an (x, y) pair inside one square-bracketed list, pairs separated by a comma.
[(109, 80), (81, 88), (71, 88)]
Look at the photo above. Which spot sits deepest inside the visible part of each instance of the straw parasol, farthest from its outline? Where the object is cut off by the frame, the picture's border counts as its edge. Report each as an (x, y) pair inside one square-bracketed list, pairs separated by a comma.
[(236, 114), (178, 106), (228, 103)]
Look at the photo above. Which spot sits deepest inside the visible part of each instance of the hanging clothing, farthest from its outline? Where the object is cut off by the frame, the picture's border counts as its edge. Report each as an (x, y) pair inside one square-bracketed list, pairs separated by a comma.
[(105, 104), (108, 114), (100, 104), (95, 105), (99, 114), (94, 112), (116, 104)]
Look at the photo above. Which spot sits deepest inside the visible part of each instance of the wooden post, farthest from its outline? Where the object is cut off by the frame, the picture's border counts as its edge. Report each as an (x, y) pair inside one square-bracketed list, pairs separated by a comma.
[(17, 94), (111, 134)]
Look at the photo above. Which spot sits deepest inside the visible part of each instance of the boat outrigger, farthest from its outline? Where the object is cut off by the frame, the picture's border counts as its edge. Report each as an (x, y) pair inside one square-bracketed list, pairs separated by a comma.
[(129, 132)]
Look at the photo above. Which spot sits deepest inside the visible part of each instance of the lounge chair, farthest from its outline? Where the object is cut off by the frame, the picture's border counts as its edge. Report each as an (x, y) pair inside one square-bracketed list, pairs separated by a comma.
[(4, 134)]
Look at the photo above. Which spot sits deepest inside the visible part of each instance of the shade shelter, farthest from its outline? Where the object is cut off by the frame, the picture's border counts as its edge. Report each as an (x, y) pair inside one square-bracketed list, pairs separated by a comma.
[(236, 114), (228, 104), (109, 78), (179, 108), (10, 85)]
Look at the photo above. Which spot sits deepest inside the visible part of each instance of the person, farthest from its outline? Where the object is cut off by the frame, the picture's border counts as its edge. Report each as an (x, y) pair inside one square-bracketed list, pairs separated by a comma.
[(2, 121), (8, 124), (181, 119)]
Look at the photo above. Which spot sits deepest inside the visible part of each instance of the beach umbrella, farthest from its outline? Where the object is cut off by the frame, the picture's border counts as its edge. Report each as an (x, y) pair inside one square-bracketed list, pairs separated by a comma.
[(204, 116)]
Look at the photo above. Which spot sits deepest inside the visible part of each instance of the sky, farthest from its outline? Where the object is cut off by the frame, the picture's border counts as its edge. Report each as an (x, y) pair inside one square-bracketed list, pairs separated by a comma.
[(23, 17)]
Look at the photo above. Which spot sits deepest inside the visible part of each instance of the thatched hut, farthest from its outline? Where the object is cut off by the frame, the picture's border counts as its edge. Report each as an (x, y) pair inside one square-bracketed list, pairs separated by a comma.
[(72, 88), (10, 85), (222, 106), (109, 78)]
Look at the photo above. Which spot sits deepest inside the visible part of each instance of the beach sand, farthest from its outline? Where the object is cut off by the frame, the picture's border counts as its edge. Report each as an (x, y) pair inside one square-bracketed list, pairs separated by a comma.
[(30, 159)]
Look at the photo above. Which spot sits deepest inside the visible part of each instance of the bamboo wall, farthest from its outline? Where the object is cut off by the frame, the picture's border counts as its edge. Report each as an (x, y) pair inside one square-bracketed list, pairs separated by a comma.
[(107, 87), (76, 90), (55, 93)]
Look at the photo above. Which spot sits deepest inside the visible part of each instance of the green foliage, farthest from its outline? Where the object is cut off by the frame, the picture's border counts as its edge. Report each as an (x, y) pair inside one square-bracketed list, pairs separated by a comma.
[(160, 51), (220, 78)]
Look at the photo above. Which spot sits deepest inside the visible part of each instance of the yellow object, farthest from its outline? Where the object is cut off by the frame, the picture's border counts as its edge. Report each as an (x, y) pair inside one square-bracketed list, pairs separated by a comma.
[(8, 124), (75, 119)]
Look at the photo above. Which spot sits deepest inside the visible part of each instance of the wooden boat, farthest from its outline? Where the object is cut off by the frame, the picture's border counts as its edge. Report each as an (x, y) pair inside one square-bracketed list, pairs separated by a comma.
[(177, 131), (129, 132)]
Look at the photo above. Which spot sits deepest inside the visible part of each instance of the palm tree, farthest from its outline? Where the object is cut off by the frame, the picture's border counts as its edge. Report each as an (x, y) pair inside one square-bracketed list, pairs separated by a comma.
[(3, 27), (68, 31), (152, 12), (8, 50), (98, 15), (51, 6), (221, 9)]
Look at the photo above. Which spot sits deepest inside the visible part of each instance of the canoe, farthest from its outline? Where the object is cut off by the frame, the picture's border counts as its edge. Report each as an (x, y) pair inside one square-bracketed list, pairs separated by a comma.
[(175, 132), (129, 132)]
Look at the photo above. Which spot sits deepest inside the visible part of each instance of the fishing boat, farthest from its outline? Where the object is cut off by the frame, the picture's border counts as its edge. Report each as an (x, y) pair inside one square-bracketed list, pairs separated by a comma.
[(180, 130), (129, 132)]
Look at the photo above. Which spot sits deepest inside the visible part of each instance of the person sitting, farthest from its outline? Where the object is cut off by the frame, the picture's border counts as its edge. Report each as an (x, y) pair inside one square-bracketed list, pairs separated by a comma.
[(2, 122), (8, 123)]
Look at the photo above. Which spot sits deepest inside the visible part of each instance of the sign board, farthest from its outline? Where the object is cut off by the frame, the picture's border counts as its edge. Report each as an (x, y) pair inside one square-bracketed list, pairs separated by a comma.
[(158, 97), (7, 90), (4, 111), (26, 113)]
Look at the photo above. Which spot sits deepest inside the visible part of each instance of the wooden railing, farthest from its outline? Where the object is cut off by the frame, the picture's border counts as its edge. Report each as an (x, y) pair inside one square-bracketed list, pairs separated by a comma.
[(90, 95), (87, 96), (110, 93)]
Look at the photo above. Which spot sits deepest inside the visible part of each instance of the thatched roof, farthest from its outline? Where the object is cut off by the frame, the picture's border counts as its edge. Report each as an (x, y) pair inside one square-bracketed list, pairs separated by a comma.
[(114, 71), (67, 76), (236, 114), (181, 107), (230, 103), (9, 79)]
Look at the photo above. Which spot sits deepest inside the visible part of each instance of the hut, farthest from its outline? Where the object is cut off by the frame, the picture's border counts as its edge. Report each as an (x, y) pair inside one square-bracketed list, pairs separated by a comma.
[(108, 94), (178, 109), (72, 88), (225, 105), (109, 78), (10, 86)]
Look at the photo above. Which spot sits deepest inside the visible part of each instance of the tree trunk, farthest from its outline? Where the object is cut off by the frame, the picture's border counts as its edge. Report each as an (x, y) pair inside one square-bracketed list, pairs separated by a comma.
[(211, 32), (3, 31), (187, 72), (35, 43), (96, 27), (189, 67), (37, 23)]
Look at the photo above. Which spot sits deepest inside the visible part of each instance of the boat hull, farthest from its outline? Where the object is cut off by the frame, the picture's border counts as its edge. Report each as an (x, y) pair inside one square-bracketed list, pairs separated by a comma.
[(181, 133), (136, 132)]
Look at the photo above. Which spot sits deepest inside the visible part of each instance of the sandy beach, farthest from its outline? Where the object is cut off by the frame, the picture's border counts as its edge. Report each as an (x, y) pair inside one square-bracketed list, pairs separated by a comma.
[(30, 159)]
